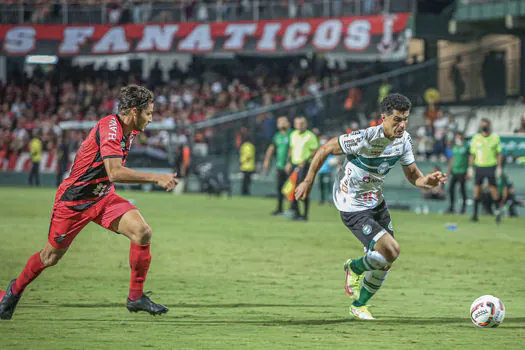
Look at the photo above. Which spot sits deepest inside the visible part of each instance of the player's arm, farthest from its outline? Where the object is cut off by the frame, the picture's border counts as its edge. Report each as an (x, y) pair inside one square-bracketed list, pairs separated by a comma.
[(120, 174), (500, 159), (331, 147), (268, 155), (418, 179)]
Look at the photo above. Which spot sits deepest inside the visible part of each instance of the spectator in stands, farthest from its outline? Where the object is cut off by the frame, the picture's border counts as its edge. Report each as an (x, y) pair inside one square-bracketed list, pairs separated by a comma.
[(247, 163), (521, 128), (35, 149), (280, 144), (303, 144), (457, 79), (457, 169), (62, 157)]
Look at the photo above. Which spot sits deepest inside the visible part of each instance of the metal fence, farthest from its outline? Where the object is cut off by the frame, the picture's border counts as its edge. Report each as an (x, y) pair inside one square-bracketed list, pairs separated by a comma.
[(107, 12)]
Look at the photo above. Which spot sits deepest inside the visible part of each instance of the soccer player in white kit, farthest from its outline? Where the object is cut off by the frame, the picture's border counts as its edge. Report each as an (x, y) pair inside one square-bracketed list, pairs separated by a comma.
[(358, 194)]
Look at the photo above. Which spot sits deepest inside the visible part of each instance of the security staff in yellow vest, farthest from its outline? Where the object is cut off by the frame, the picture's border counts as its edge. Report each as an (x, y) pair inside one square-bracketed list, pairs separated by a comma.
[(303, 144), (247, 160), (485, 163), (35, 149)]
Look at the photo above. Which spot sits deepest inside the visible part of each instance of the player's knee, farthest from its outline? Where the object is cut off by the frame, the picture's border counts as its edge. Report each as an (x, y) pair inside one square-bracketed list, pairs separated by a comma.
[(392, 252), (142, 234), (50, 258)]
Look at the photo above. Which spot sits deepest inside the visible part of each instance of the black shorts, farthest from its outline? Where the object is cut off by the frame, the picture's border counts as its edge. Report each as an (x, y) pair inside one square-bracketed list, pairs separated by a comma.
[(369, 225), (482, 173)]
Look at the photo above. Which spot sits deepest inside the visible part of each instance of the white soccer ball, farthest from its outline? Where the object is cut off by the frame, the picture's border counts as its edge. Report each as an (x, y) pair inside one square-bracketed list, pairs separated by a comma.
[(487, 311)]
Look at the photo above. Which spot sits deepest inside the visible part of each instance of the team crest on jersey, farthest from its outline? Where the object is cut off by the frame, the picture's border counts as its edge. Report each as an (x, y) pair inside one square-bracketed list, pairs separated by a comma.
[(382, 168), (367, 229), (123, 145)]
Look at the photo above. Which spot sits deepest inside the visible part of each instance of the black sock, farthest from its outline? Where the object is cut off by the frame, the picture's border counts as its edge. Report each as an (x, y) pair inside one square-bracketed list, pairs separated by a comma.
[(476, 207)]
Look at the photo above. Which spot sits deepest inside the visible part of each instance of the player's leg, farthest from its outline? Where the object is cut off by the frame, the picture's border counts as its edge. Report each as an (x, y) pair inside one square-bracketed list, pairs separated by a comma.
[(119, 215), (463, 190), (478, 181), (494, 193), (452, 193), (65, 226), (363, 225), (281, 179), (132, 225), (302, 176)]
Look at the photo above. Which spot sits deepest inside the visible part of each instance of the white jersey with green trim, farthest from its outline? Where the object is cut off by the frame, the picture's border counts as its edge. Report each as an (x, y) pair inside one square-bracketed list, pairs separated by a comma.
[(369, 157)]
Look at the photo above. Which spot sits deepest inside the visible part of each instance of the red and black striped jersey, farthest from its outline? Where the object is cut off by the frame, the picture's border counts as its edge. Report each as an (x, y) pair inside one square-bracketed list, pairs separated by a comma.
[(88, 181)]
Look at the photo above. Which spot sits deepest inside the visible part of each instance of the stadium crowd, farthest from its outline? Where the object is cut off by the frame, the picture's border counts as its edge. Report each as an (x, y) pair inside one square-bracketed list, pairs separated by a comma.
[(147, 11), (71, 93)]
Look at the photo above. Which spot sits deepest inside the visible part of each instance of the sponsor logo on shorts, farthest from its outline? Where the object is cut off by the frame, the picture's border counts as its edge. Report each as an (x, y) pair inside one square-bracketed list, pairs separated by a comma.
[(60, 237), (367, 229), (344, 188)]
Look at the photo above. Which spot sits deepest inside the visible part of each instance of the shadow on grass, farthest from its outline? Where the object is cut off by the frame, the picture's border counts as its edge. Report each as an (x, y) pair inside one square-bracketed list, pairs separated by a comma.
[(195, 306)]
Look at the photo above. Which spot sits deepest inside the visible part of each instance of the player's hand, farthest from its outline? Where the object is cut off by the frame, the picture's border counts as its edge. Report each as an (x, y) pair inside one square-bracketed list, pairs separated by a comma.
[(266, 166), (470, 172), (498, 172), (303, 190), (167, 181), (435, 179)]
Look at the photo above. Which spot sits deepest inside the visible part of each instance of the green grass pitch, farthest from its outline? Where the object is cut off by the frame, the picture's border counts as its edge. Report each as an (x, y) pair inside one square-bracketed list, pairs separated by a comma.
[(236, 278)]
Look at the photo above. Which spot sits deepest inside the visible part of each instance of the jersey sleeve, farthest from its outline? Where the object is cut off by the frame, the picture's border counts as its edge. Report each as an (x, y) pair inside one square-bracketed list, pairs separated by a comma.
[(313, 143), (407, 157), (110, 136), (353, 142), (498, 144), (473, 144)]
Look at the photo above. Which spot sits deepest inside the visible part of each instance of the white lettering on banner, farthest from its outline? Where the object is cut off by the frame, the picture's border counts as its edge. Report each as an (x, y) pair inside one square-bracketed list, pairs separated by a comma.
[(20, 40), (296, 36), (198, 40), (268, 42), (328, 35), (112, 134), (238, 33), (74, 37), (340, 34), (358, 35), (114, 41), (387, 41), (157, 37)]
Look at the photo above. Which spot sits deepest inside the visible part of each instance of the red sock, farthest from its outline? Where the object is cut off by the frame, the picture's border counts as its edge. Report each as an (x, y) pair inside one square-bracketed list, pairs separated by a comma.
[(33, 268), (139, 260)]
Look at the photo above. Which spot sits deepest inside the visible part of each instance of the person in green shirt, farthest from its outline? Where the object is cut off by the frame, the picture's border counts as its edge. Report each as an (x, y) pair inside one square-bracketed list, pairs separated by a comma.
[(280, 144), (485, 163), (303, 144), (457, 169)]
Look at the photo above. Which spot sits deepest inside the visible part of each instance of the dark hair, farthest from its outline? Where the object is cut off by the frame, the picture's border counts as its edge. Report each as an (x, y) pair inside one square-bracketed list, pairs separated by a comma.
[(485, 120), (134, 96), (395, 102)]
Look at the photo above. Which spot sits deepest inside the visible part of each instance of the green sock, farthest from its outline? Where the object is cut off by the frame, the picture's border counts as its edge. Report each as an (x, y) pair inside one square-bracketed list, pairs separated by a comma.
[(364, 297), (358, 266)]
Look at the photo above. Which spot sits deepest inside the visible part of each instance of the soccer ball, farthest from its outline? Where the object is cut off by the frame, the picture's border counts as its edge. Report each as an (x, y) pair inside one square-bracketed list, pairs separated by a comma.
[(487, 311)]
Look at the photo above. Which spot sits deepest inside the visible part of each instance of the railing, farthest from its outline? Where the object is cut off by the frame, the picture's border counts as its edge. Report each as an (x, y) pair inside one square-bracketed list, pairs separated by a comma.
[(148, 11)]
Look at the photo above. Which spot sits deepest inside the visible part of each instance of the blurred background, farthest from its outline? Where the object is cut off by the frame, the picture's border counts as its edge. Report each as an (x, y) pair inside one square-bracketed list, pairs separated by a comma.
[(224, 71)]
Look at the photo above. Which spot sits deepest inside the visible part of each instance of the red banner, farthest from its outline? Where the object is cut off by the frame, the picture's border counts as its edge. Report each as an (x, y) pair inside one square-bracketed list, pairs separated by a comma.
[(369, 37)]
